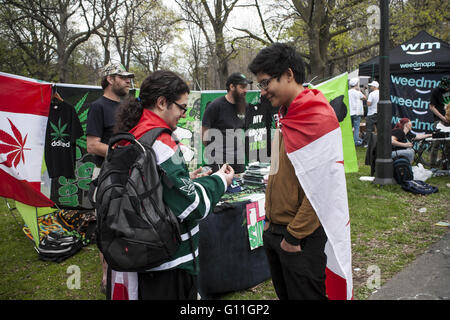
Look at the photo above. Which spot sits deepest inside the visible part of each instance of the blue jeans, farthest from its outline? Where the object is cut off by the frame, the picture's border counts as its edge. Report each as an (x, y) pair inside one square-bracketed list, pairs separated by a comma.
[(408, 153), (356, 120)]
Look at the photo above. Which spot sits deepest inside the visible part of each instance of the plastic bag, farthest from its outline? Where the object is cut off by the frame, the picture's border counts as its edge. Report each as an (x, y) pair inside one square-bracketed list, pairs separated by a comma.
[(420, 173)]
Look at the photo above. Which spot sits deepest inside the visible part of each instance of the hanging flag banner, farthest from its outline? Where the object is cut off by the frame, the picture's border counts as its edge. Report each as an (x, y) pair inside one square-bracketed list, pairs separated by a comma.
[(255, 222), (24, 107), (335, 91)]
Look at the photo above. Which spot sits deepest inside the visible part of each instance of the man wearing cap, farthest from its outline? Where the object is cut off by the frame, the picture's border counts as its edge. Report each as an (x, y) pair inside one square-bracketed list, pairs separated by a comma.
[(355, 97), (372, 103), (226, 115), (116, 82)]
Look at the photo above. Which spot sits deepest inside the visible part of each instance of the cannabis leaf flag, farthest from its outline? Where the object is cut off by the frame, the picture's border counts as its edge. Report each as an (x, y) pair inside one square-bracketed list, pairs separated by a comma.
[(24, 107)]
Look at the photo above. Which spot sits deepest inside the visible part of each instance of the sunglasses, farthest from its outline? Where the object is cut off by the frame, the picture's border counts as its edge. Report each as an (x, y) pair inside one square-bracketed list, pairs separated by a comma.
[(182, 107)]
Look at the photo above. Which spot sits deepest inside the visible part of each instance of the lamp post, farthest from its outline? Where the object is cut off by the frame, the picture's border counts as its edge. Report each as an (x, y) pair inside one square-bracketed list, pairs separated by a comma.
[(383, 163)]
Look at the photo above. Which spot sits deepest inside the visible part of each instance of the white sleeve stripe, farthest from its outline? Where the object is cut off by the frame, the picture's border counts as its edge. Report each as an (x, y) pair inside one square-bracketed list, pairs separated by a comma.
[(191, 207), (207, 201), (176, 262), (185, 236), (162, 151)]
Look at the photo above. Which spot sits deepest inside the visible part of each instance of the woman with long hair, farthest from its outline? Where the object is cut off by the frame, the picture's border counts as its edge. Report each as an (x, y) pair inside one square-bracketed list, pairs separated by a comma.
[(161, 103)]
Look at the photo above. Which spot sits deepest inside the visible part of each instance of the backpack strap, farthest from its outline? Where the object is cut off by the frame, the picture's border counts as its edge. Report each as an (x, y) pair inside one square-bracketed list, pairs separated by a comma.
[(116, 138), (149, 139), (150, 136)]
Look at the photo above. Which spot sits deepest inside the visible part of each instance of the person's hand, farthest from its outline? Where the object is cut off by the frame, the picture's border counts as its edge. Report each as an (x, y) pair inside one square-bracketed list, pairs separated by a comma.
[(286, 246), (198, 173), (409, 145), (228, 172)]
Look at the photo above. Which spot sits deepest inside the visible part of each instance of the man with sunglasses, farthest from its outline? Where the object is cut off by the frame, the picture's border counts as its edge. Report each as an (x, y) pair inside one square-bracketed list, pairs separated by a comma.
[(223, 125), (116, 83), (307, 230)]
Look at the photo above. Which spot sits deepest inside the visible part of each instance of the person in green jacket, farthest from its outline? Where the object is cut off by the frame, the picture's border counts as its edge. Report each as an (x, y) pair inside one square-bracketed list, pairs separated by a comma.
[(161, 103)]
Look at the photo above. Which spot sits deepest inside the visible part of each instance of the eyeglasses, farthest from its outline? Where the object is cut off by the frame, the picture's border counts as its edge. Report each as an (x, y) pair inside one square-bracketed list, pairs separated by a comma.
[(184, 108), (264, 84)]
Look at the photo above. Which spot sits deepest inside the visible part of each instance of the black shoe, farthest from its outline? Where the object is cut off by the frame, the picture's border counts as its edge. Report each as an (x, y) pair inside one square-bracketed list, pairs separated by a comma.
[(49, 247), (59, 238)]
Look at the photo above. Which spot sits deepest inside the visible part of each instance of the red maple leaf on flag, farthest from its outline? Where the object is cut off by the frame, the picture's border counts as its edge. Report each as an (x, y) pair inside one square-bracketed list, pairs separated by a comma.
[(15, 146)]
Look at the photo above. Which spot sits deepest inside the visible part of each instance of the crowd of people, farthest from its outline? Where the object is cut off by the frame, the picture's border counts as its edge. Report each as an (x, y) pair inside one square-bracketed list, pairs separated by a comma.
[(294, 223), (402, 137), (300, 218)]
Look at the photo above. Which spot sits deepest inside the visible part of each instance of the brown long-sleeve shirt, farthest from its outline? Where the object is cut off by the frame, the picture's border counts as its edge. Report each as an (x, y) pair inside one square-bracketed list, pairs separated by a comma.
[(286, 202)]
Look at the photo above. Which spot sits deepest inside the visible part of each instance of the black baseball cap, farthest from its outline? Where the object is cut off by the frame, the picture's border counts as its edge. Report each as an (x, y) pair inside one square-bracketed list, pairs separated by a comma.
[(237, 78)]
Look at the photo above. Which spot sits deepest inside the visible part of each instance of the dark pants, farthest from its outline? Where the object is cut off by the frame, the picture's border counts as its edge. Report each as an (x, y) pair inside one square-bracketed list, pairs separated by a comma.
[(175, 284), (371, 122), (297, 275)]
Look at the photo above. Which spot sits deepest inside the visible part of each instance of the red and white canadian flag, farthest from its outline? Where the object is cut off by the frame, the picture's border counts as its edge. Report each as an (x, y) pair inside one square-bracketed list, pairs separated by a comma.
[(124, 285), (313, 143), (24, 107)]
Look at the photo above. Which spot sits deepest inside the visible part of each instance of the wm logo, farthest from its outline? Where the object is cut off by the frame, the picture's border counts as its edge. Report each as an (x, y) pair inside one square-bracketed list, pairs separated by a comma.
[(424, 47)]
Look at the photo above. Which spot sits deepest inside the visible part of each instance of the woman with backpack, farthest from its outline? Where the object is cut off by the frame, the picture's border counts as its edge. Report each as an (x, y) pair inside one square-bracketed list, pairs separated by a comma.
[(191, 197), (402, 139)]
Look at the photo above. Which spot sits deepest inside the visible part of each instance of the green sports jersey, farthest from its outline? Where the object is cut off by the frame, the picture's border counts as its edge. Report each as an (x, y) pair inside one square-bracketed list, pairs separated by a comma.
[(190, 200)]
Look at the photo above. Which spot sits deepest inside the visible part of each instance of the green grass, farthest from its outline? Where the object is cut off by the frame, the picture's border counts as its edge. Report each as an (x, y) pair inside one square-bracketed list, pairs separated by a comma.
[(25, 277), (387, 230)]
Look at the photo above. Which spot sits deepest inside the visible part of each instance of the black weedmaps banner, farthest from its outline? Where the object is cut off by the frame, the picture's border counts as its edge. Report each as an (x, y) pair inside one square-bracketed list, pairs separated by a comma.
[(410, 98), (416, 67), (66, 192)]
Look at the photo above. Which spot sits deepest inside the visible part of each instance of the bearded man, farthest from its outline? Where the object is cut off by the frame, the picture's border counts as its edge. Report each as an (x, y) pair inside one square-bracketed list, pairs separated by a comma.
[(116, 82), (223, 126)]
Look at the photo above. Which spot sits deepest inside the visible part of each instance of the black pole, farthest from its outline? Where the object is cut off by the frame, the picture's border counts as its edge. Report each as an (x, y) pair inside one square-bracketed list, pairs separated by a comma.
[(383, 164)]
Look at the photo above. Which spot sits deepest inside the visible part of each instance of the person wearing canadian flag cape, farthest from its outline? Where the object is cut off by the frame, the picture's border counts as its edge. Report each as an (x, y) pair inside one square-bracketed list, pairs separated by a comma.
[(307, 229)]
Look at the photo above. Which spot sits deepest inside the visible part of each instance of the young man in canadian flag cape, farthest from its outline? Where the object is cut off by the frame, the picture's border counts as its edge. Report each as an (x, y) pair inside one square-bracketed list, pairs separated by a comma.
[(307, 232)]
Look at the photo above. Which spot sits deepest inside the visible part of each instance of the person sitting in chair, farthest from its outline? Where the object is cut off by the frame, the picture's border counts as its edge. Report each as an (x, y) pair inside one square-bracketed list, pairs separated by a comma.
[(402, 138)]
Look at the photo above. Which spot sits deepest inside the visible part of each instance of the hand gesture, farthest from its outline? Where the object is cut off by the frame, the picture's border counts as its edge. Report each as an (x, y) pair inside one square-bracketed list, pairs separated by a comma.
[(199, 173), (228, 172)]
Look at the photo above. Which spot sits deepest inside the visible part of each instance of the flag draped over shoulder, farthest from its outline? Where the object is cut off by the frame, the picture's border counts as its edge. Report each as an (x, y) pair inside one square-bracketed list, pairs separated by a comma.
[(24, 107), (313, 143)]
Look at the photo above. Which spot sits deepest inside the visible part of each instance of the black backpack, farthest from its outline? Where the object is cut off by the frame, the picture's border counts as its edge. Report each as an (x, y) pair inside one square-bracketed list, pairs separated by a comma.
[(402, 170), (135, 229)]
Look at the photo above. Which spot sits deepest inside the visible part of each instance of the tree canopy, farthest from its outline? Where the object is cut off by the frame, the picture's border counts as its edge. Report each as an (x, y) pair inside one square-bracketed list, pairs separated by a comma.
[(203, 40)]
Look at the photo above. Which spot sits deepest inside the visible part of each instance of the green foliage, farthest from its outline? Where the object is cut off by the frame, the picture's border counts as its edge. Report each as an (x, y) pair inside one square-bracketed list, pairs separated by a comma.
[(410, 17)]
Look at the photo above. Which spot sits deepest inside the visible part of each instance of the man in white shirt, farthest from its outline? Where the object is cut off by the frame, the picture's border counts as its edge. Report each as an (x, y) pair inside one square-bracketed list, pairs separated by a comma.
[(372, 103), (355, 97)]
